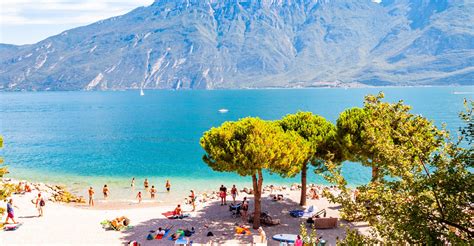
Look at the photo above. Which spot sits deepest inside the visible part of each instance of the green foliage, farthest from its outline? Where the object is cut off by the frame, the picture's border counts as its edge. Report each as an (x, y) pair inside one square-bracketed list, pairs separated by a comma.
[(387, 137), (314, 129), (354, 238), (429, 198), (318, 133), (251, 144), (311, 237), (5, 190)]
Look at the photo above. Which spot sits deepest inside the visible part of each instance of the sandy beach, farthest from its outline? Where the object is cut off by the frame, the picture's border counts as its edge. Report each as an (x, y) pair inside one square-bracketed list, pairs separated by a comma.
[(73, 224)]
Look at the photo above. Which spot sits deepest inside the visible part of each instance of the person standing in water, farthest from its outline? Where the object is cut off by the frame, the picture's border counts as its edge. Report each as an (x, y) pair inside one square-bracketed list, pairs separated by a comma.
[(153, 192), (40, 204), (105, 191), (193, 200), (168, 185), (132, 184), (139, 197), (91, 197), (145, 184)]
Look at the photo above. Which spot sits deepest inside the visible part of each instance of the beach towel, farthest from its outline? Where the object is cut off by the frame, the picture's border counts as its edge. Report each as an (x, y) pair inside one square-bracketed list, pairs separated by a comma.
[(181, 241), (180, 232), (170, 215), (309, 212), (296, 213), (242, 231), (11, 227), (159, 236)]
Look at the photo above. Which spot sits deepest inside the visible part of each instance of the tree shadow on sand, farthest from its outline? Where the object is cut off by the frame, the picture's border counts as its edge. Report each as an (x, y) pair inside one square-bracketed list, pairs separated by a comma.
[(219, 220)]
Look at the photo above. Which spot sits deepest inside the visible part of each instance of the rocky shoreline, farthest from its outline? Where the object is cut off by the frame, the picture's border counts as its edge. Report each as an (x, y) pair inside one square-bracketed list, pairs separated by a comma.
[(53, 193)]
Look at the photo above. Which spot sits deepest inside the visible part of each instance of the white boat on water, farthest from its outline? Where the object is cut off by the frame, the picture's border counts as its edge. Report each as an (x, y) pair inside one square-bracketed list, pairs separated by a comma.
[(141, 92), (223, 110)]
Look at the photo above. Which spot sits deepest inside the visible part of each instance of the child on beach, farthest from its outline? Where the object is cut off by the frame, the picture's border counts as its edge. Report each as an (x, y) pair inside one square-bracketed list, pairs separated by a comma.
[(139, 197), (105, 190), (91, 196), (168, 185), (40, 204), (153, 192), (10, 212)]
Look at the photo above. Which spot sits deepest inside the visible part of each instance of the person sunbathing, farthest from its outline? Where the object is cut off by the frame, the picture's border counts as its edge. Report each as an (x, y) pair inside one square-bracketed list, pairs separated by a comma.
[(314, 194), (27, 187), (120, 222), (177, 211), (278, 197), (160, 231), (242, 230), (176, 236)]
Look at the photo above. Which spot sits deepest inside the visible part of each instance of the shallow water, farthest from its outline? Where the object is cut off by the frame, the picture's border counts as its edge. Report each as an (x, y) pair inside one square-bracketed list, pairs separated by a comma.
[(91, 138)]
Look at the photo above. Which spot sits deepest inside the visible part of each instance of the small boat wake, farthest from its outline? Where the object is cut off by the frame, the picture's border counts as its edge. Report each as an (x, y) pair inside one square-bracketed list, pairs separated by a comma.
[(223, 110)]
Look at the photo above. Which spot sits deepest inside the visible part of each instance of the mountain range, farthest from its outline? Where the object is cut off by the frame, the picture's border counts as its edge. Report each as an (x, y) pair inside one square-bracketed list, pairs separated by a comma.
[(211, 44)]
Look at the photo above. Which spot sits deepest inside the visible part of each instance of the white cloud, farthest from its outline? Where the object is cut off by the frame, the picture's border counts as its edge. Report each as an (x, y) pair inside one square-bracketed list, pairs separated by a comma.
[(32, 12)]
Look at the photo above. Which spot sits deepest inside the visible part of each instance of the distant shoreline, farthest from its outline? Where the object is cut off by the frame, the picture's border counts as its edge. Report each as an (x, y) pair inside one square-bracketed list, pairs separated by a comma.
[(252, 88)]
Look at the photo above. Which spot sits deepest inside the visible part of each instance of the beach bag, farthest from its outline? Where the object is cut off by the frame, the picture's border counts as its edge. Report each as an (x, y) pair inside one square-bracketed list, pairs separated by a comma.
[(210, 234), (150, 237), (42, 203)]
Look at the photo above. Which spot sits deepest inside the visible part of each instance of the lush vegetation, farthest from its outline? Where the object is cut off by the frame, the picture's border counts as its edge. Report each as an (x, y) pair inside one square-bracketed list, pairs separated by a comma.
[(318, 132), (422, 189), (5, 190), (422, 185), (251, 145)]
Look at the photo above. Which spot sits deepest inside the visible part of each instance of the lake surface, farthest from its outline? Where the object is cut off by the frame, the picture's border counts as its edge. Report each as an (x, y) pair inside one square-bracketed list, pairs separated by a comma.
[(91, 138)]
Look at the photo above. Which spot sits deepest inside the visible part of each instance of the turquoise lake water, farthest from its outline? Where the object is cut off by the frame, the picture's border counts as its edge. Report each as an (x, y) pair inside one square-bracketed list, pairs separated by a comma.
[(91, 138)]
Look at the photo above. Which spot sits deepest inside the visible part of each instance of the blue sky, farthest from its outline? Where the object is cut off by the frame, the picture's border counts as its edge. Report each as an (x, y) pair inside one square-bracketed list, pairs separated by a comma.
[(29, 21)]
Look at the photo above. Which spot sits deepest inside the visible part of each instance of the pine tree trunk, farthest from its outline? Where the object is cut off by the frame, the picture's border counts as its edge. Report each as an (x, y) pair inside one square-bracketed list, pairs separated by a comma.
[(303, 185), (375, 173), (257, 187)]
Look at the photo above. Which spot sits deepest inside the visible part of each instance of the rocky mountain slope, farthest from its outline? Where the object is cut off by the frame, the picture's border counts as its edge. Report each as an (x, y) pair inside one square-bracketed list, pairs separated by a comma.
[(210, 44)]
